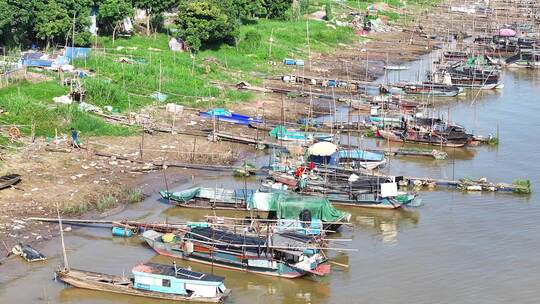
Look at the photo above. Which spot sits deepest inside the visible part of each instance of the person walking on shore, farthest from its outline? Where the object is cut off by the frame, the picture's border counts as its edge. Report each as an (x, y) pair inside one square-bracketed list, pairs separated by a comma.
[(75, 138)]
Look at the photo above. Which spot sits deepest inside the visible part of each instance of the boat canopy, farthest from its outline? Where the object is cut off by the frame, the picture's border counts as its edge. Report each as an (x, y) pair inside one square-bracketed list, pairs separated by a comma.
[(176, 280), (322, 148), (289, 206), (356, 154)]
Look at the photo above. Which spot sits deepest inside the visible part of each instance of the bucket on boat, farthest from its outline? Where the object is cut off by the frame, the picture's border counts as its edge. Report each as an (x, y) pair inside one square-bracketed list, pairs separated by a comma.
[(168, 237), (122, 231)]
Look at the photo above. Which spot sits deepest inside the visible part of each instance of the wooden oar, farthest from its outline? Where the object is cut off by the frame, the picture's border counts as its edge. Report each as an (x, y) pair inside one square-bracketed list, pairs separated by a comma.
[(338, 264)]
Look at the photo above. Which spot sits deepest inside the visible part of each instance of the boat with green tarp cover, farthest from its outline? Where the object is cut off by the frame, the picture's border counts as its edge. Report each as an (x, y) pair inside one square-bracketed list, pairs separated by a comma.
[(281, 205)]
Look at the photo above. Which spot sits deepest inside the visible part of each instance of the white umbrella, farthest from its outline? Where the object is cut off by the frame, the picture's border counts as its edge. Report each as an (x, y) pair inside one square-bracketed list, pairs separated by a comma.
[(322, 148)]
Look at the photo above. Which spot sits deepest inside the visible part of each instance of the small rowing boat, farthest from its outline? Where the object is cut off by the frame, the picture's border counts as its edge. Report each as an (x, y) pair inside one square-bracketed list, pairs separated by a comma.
[(9, 180)]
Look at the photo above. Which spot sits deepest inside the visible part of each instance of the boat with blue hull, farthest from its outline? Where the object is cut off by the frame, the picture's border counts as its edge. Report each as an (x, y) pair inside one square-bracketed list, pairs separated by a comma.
[(283, 255), (227, 116)]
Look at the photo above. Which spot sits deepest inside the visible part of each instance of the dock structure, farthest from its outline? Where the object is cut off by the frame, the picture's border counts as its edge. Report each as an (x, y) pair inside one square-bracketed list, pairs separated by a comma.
[(464, 184), (431, 153), (469, 185)]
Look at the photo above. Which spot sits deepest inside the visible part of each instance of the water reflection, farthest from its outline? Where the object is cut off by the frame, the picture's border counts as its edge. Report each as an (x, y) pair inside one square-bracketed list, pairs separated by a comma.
[(386, 224)]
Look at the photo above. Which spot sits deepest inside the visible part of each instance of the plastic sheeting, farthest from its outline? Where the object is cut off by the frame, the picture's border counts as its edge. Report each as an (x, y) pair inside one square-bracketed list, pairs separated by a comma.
[(289, 206), (77, 53)]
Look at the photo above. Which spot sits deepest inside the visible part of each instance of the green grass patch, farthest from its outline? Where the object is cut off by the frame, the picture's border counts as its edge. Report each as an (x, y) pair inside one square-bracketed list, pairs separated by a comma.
[(133, 196), (106, 202), (493, 141), (74, 208), (32, 103), (524, 186), (186, 78)]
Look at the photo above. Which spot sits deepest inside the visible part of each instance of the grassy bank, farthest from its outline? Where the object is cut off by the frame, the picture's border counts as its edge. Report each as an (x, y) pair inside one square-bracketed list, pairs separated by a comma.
[(187, 79)]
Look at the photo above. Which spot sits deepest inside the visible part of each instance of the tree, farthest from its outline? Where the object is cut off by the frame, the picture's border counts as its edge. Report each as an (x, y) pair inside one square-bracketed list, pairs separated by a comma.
[(112, 12), (52, 21), (304, 6), (249, 9), (80, 10), (6, 19), (17, 19), (277, 9), (152, 7), (204, 21)]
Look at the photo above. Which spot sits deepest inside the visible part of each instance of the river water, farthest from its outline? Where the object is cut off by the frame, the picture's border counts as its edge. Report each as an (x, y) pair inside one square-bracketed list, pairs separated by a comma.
[(456, 248)]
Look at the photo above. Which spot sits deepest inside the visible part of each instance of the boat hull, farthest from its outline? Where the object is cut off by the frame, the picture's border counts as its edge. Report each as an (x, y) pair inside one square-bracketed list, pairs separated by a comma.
[(167, 250), (393, 137), (117, 284), (9, 180)]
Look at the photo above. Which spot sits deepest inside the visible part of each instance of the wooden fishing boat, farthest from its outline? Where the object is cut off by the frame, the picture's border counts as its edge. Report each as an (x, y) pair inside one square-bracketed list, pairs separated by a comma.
[(152, 280), (322, 210), (282, 255), (283, 205), (415, 137), (463, 76), (9, 180), (525, 59), (209, 198), (455, 55), (364, 200), (431, 90), (285, 179)]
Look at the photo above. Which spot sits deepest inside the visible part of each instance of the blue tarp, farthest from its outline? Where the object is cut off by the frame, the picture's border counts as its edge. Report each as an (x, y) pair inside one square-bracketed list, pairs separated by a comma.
[(77, 53), (37, 62)]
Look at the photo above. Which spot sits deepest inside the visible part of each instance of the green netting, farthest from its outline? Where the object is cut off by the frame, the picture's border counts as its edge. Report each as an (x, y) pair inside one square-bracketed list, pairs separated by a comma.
[(278, 130), (289, 206)]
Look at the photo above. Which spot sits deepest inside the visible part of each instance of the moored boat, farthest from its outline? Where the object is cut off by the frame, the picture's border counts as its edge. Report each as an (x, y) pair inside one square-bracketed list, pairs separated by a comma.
[(209, 198), (431, 90), (152, 280), (282, 255), (356, 158), (281, 133), (420, 138)]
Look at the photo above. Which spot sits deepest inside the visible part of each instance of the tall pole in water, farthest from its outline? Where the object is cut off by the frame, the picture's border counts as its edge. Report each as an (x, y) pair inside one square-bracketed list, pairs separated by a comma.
[(66, 265)]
